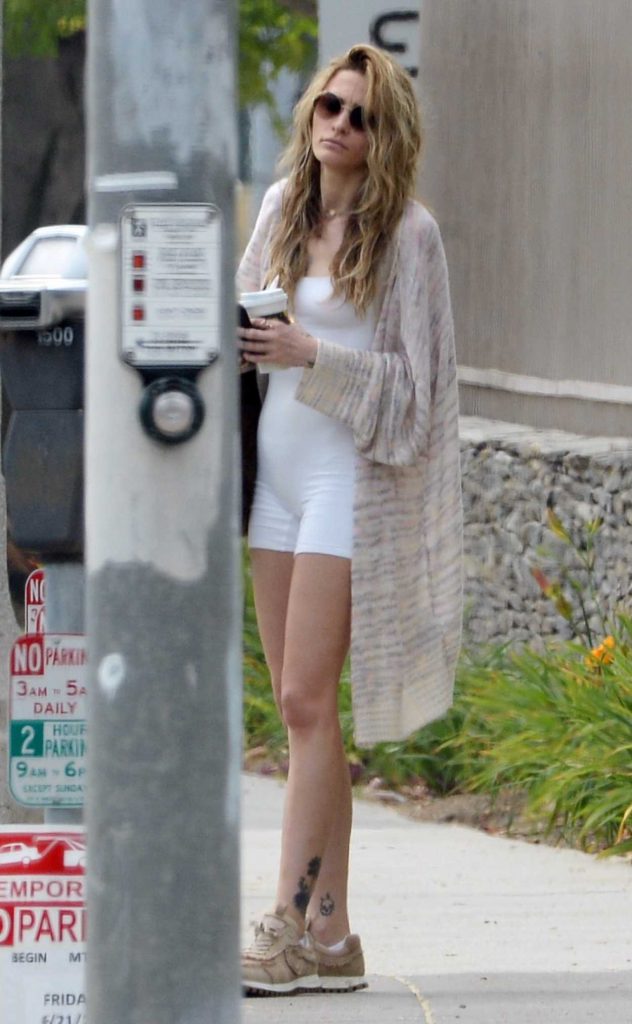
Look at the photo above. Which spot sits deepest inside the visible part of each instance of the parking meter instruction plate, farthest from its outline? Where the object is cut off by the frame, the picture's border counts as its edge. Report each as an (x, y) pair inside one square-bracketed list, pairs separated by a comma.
[(48, 710), (42, 924), (170, 284)]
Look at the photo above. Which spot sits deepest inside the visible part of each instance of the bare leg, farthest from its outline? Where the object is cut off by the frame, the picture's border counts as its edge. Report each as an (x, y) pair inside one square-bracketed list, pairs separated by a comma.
[(327, 909), (271, 580), (315, 643)]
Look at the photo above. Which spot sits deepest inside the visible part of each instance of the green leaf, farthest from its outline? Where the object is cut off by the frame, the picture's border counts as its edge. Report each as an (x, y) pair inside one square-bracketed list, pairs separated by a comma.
[(35, 27)]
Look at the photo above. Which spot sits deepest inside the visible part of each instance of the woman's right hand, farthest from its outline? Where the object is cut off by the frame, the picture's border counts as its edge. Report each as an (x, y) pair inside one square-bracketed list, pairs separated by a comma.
[(276, 342)]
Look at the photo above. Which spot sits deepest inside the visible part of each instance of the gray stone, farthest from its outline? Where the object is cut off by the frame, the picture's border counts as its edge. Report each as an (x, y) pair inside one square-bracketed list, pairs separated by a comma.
[(613, 481), (584, 511), (505, 492)]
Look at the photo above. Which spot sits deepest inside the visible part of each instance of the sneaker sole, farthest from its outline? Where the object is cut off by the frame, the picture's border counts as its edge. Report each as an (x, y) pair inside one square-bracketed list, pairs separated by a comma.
[(311, 983), (334, 984)]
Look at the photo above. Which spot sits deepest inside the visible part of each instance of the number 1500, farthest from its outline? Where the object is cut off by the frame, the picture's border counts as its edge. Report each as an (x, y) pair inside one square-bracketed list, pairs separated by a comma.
[(57, 337)]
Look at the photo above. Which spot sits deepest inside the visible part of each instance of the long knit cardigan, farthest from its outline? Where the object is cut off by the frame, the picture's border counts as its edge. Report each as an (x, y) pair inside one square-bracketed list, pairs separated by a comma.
[(400, 401)]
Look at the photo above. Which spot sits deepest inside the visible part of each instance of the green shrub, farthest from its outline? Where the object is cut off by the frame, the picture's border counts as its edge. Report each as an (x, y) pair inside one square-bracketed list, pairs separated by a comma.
[(556, 725)]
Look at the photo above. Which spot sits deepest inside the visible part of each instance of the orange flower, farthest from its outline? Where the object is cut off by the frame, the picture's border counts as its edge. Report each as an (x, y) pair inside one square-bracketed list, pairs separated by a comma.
[(601, 655)]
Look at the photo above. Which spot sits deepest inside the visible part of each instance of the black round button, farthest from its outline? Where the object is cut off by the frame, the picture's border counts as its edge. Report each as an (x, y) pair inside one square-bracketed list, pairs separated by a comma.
[(171, 409)]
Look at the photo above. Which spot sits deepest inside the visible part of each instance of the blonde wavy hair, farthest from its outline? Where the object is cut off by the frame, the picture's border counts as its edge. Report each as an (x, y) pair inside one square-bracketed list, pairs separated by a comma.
[(395, 138)]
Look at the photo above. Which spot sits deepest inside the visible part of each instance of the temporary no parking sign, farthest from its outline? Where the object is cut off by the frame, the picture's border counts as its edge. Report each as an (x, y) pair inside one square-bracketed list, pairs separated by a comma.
[(47, 710), (42, 924)]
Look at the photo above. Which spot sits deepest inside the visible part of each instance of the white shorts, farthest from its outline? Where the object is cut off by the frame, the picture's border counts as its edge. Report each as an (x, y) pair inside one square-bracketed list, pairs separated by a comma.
[(324, 527), (305, 459)]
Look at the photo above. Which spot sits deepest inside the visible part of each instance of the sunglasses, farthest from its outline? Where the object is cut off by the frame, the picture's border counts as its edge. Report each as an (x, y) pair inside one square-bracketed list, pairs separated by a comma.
[(329, 105)]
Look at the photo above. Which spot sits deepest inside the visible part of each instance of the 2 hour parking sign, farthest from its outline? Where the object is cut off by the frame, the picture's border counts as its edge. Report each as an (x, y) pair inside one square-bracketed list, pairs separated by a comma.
[(47, 709)]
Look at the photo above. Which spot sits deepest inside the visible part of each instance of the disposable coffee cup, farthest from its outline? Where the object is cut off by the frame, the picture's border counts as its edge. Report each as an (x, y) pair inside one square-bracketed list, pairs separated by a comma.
[(271, 303)]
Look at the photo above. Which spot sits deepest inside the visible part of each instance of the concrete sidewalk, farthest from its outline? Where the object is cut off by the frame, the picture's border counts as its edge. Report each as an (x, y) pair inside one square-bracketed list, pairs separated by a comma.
[(458, 925)]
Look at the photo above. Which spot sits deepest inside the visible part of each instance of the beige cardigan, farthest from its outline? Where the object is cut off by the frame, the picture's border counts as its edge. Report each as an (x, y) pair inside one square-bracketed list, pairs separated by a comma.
[(400, 401)]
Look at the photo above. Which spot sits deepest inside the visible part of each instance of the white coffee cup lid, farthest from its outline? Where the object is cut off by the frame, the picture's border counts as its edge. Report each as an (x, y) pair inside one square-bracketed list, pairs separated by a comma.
[(264, 303)]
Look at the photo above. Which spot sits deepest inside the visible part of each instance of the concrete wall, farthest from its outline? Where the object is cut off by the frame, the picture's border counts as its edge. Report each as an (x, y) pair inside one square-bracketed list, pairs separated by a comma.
[(528, 169)]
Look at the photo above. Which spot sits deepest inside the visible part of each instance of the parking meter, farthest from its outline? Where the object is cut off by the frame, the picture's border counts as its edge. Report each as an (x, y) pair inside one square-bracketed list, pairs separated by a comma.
[(42, 314)]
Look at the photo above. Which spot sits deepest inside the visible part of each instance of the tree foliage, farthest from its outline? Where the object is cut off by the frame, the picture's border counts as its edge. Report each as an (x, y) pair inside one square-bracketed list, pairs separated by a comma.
[(272, 37), (35, 27)]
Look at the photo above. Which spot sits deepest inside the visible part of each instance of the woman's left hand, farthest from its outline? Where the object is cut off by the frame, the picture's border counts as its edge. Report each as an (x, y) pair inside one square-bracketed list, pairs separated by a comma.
[(273, 341)]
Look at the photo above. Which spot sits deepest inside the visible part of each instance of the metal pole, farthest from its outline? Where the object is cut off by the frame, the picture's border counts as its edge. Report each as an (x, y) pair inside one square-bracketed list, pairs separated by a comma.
[(163, 609)]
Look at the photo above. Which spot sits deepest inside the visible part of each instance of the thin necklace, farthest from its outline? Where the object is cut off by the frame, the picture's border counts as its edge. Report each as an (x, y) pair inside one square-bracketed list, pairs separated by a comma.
[(330, 214)]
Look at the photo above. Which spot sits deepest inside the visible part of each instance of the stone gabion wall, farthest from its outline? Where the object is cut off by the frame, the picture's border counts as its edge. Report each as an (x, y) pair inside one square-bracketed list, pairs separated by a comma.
[(511, 476)]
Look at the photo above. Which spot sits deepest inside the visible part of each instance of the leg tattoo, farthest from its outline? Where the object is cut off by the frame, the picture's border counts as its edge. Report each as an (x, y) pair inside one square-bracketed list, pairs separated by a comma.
[(327, 905), (305, 885)]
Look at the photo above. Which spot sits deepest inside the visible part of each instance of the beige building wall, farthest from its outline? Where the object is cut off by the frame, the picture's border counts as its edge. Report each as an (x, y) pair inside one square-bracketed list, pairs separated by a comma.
[(528, 169)]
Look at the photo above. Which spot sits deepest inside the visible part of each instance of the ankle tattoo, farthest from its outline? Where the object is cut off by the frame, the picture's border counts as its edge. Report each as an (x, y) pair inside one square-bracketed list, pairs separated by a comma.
[(305, 885), (327, 905)]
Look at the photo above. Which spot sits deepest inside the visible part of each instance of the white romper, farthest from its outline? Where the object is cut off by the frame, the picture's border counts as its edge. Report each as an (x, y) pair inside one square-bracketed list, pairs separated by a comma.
[(306, 460)]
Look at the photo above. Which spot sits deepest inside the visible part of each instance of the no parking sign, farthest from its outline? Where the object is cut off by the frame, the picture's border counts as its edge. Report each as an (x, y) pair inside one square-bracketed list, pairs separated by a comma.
[(47, 710), (35, 602)]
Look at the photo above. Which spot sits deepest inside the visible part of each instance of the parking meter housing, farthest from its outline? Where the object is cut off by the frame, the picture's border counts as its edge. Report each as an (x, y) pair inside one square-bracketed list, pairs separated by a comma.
[(42, 316)]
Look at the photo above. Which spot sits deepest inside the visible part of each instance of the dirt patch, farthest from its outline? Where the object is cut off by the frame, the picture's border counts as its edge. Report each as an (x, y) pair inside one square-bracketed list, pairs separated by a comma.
[(504, 814)]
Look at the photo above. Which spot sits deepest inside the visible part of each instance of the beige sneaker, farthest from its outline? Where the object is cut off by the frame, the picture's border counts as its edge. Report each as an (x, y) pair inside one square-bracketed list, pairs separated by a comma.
[(279, 961), (343, 971)]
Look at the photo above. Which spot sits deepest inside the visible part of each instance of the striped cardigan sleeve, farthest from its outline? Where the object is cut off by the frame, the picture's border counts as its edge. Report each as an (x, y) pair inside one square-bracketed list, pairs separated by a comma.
[(388, 396), (253, 264)]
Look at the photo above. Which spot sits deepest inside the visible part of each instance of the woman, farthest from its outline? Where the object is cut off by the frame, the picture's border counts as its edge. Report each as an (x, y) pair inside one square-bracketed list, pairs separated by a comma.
[(355, 529)]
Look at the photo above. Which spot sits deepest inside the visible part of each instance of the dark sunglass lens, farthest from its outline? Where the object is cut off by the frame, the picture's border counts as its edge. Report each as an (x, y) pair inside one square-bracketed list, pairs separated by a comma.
[(356, 119), (328, 104)]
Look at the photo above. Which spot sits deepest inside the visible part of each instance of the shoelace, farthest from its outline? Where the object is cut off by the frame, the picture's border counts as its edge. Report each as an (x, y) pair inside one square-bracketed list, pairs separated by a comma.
[(266, 934)]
